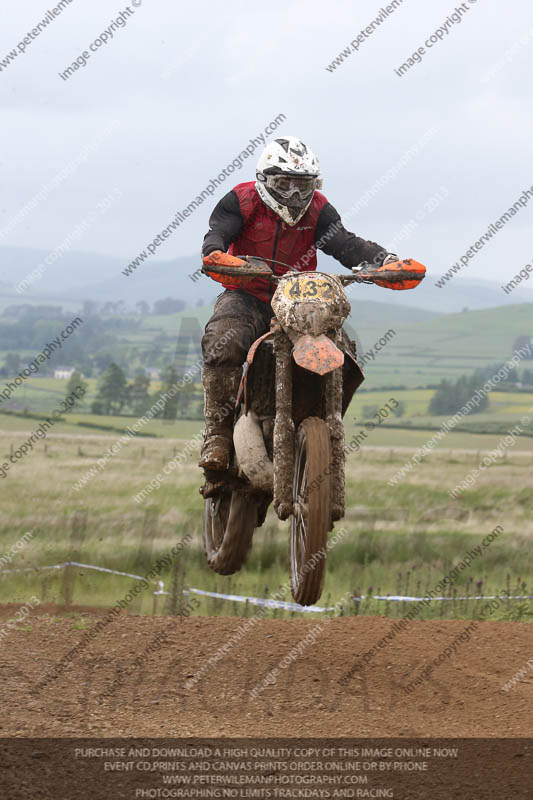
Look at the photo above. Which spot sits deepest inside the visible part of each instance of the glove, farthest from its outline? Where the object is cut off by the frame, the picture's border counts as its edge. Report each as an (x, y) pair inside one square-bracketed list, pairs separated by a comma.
[(219, 259), (390, 258)]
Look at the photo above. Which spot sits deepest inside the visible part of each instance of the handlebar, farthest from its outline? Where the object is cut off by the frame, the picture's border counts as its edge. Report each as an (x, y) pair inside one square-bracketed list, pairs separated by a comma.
[(245, 273), (260, 269)]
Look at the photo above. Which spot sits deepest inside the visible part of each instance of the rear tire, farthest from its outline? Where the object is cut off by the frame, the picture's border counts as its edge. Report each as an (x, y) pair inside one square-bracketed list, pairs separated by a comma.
[(312, 519), (229, 523)]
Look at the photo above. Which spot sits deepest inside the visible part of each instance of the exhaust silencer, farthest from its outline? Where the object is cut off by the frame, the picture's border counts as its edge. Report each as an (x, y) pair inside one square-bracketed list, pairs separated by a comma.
[(251, 453)]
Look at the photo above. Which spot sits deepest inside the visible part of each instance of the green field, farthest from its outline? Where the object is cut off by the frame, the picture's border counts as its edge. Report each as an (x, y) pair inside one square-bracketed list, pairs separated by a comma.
[(44, 394), (447, 346), (506, 409)]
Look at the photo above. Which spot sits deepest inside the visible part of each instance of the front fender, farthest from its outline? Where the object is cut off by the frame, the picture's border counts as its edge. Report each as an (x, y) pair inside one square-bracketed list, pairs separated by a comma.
[(317, 354)]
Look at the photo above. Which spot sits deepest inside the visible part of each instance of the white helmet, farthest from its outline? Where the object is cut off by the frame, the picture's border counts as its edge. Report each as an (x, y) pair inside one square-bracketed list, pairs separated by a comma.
[(287, 175)]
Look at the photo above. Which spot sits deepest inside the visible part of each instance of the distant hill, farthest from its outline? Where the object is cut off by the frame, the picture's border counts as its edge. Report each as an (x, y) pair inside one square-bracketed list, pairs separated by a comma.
[(74, 270), (80, 276), (457, 295)]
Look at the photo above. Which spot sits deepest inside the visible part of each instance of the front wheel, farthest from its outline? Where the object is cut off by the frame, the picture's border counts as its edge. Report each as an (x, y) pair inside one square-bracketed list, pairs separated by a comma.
[(229, 523), (311, 520)]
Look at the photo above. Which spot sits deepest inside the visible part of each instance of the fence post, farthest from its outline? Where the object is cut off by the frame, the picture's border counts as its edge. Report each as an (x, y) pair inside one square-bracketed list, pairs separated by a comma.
[(68, 585), (144, 553), (77, 537), (175, 605)]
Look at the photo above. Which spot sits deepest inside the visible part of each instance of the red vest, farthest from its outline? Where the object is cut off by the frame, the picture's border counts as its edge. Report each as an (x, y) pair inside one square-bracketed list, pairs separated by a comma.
[(267, 236)]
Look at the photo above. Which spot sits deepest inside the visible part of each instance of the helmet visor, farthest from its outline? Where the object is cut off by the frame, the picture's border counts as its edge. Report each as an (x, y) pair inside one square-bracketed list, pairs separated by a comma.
[(285, 186)]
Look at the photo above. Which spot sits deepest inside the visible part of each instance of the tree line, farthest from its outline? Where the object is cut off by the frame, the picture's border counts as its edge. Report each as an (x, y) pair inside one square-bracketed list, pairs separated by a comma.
[(116, 395), (451, 396)]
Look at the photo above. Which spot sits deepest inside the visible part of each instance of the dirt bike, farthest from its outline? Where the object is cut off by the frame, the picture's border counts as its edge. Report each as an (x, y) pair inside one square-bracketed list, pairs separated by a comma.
[(288, 433)]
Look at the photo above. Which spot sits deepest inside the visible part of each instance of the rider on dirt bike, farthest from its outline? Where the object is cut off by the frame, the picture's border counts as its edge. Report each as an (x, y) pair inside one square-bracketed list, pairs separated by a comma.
[(282, 216)]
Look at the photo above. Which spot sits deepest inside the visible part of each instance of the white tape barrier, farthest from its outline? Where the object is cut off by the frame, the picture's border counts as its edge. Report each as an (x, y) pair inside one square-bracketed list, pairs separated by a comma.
[(261, 601), (104, 569), (399, 598), (33, 569)]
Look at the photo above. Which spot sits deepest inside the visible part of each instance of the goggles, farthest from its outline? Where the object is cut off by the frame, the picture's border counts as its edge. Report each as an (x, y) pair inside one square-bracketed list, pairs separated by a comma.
[(287, 185)]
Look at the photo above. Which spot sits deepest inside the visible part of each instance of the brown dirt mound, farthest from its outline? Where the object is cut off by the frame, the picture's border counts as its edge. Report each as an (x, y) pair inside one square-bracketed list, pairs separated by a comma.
[(316, 691)]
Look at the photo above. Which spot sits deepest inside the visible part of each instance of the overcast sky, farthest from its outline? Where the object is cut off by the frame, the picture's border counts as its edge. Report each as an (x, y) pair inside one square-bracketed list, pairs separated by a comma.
[(190, 84)]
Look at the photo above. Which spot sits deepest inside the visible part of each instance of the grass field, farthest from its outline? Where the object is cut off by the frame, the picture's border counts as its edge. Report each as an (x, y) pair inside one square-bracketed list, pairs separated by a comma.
[(383, 436), (446, 346), (399, 539), (506, 409)]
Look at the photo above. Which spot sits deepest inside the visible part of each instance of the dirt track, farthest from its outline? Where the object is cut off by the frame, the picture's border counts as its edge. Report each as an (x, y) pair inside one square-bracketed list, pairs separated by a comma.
[(463, 697)]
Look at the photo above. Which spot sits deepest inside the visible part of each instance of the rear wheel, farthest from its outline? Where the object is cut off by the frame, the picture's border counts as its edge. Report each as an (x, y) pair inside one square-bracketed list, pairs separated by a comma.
[(311, 520), (229, 523)]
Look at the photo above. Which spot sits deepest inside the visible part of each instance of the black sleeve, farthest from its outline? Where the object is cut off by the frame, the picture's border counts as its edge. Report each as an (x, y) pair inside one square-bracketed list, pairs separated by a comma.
[(225, 224), (334, 240)]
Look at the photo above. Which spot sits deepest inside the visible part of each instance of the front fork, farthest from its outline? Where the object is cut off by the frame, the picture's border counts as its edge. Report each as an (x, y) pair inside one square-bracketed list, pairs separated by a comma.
[(283, 455), (336, 436)]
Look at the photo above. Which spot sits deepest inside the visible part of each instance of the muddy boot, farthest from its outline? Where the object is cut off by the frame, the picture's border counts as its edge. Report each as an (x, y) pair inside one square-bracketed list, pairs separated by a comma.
[(221, 385)]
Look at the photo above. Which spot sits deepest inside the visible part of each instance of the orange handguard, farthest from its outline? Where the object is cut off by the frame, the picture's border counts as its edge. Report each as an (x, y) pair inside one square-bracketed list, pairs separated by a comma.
[(416, 273), (219, 259)]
